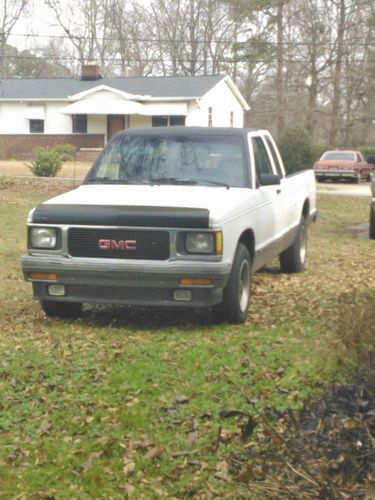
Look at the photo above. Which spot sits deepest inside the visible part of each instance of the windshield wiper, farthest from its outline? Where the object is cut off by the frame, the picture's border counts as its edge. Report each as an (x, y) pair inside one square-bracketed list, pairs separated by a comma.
[(111, 180), (106, 180), (215, 183), (172, 180)]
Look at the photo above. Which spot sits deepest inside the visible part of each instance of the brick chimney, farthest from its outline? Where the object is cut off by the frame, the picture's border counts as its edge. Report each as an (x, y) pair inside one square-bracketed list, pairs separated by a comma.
[(91, 71)]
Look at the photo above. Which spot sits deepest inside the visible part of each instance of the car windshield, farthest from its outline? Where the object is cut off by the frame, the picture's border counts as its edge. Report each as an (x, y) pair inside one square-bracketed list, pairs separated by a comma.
[(338, 155), (161, 159)]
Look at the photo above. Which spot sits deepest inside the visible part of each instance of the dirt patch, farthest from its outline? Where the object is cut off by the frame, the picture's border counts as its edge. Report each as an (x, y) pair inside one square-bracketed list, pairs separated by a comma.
[(37, 185), (361, 231)]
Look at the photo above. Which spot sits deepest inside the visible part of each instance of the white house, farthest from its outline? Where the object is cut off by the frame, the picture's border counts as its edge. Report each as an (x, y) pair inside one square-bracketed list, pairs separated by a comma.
[(88, 111)]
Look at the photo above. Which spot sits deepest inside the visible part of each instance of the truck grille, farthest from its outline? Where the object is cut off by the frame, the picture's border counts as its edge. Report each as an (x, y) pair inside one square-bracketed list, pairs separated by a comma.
[(113, 243)]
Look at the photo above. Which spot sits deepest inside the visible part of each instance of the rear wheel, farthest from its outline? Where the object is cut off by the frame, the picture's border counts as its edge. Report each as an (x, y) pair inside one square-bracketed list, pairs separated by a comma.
[(235, 304), (61, 309), (293, 259)]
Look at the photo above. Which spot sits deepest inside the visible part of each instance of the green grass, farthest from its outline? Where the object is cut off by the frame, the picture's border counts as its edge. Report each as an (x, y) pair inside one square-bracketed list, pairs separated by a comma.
[(127, 402)]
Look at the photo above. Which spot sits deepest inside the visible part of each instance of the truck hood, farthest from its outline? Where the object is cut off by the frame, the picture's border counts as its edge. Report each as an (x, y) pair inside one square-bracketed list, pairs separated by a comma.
[(222, 203)]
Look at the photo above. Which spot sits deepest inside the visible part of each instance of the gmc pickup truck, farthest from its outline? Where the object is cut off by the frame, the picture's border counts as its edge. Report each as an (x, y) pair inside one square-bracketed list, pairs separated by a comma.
[(171, 216)]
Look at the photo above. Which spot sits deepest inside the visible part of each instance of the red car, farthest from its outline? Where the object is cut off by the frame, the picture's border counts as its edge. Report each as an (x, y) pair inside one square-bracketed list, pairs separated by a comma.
[(342, 164)]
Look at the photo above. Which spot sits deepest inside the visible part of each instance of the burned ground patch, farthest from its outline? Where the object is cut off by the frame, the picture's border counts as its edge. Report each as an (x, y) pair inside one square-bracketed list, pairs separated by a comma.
[(327, 450)]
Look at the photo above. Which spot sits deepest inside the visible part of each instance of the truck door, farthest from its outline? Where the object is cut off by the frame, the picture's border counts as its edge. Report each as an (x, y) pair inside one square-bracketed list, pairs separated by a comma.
[(269, 209)]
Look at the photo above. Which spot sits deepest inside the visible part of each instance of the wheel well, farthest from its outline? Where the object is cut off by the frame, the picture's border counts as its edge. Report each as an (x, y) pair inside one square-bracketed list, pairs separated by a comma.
[(306, 209), (247, 238)]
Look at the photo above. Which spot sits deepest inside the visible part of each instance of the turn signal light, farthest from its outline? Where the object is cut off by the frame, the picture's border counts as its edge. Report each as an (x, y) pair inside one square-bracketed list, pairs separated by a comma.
[(219, 243), (195, 281), (43, 276)]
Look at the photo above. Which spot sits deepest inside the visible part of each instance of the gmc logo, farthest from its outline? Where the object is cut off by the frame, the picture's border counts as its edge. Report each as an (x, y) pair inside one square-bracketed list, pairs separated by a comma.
[(117, 245)]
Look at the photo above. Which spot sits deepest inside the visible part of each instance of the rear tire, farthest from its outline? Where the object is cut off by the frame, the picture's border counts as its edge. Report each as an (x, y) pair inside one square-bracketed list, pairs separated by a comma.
[(293, 259), (236, 298), (56, 309)]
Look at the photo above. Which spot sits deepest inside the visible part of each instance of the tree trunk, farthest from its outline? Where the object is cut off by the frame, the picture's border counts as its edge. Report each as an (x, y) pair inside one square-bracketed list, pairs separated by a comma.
[(280, 94), (337, 71)]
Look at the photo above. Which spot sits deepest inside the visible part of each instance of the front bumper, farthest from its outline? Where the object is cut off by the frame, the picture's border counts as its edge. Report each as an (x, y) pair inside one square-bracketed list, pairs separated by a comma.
[(129, 282)]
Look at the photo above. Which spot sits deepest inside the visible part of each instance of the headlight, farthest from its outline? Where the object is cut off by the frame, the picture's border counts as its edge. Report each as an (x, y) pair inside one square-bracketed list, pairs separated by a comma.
[(200, 243), (43, 237)]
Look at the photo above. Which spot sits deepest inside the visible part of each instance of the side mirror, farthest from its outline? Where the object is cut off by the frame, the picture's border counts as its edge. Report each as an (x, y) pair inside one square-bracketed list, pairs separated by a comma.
[(269, 180), (371, 159)]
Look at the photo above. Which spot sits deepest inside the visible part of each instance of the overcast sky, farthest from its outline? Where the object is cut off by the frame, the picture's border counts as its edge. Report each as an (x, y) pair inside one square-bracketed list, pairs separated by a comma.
[(37, 20)]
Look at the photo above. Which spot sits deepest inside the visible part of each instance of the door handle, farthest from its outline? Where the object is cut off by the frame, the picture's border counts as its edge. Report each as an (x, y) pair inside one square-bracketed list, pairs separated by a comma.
[(278, 191)]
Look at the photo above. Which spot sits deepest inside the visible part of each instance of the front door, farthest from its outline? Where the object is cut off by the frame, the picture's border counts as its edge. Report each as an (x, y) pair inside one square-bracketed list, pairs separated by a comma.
[(269, 199), (115, 123)]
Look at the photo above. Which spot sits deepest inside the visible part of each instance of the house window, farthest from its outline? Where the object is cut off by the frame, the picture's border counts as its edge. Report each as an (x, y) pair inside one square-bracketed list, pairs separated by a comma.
[(36, 126), (168, 121), (210, 116), (79, 123), (177, 120), (160, 121), (232, 119)]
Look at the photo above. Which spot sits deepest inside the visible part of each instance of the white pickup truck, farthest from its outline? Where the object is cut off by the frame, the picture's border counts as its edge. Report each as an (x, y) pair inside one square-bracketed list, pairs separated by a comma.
[(172, 216)]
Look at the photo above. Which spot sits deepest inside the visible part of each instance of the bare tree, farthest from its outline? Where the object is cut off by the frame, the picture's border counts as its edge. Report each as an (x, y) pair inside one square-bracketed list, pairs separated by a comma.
[(312, 24), (192, 36), (10, 12), (85, 22), (132, 40)]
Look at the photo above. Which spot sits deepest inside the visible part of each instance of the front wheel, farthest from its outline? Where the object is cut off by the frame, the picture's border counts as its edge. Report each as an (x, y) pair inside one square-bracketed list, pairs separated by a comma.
[(56, 309), (236, 298), (293, 259)]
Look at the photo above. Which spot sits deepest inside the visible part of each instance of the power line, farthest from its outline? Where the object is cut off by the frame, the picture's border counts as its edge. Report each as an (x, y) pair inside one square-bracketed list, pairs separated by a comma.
[(158, 60), (357, 43)]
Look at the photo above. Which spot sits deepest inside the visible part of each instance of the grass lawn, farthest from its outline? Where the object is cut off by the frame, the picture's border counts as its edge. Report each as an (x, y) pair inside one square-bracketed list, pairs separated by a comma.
[(144, 403)]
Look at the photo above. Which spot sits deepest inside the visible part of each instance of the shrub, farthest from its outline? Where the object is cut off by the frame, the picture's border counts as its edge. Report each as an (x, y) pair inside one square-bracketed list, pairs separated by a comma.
[(367, 150), (355, 329), (319, 149), (297, 149), (67, 151), (47, 162)]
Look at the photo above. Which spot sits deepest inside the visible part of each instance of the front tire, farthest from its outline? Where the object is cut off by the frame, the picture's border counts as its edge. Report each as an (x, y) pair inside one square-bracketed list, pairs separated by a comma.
[(293, 259), (56, 309), (236, 298)]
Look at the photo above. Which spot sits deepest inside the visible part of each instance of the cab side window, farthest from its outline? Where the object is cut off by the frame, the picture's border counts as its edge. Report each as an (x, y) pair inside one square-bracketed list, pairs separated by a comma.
[(262, 162), (274, 156)]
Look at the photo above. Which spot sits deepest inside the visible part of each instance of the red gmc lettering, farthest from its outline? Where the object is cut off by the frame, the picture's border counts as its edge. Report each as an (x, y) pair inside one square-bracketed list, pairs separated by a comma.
[(117, 245)]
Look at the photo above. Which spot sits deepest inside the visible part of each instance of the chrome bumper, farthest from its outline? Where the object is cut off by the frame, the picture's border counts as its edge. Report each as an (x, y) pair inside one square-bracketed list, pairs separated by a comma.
[(126, 282)]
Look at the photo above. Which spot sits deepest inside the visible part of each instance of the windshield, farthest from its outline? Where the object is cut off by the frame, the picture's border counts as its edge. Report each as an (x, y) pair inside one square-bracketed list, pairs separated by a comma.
[(152, 159), (338, 155)]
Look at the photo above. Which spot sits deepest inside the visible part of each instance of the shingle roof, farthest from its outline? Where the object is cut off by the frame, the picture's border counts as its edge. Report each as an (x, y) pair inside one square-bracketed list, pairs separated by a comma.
[(60, 88)]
